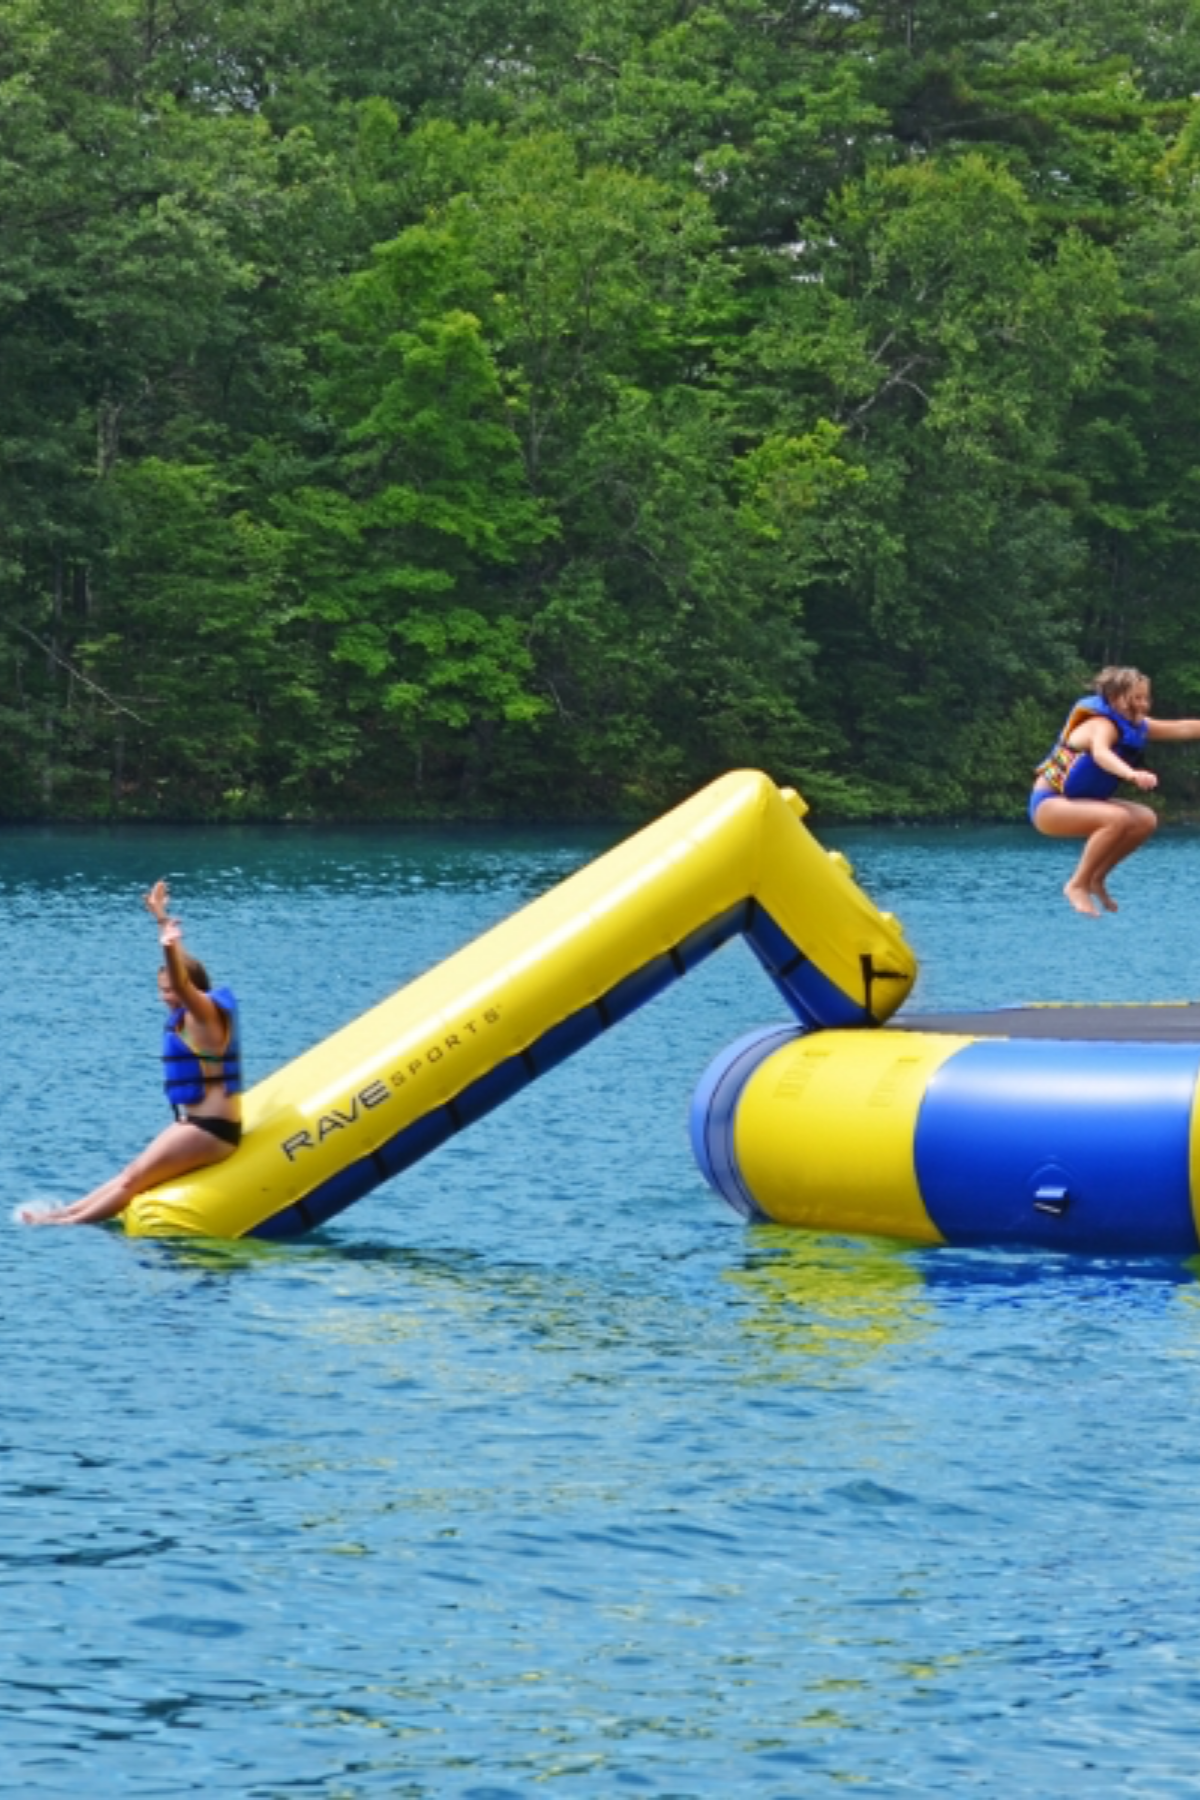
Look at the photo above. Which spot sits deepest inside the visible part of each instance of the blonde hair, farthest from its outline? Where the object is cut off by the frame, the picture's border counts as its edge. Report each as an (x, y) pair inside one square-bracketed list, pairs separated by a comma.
[(1115, 683)]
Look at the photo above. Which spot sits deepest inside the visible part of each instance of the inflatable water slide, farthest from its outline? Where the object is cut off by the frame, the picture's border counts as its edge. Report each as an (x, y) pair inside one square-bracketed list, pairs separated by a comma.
[(1065, 1127), (383, 1092)]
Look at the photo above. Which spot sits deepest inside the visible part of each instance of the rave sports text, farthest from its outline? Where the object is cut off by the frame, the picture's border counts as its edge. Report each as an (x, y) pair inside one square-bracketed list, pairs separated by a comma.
[(384, 1087)]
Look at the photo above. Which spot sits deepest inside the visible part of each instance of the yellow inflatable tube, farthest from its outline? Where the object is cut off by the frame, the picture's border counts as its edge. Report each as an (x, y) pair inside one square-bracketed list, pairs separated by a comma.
[(382, 1092)]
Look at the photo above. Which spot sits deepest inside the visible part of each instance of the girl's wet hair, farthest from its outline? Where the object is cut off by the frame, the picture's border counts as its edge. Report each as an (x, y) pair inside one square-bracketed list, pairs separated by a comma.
[(1115, 683), (197, 973)]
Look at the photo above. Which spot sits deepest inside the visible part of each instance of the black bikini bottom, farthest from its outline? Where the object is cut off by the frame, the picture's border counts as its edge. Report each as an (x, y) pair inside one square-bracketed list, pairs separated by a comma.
[(228, 1130)]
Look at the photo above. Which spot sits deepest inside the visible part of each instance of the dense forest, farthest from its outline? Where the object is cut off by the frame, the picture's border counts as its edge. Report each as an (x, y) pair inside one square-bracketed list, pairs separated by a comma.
[(536, 407)]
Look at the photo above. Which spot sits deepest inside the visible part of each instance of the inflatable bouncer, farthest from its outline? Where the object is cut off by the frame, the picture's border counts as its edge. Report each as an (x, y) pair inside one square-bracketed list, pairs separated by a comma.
[(1065, 1127)]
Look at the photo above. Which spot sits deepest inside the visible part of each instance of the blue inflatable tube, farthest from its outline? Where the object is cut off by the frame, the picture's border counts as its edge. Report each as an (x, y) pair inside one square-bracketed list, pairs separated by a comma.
[(1065, 1128)]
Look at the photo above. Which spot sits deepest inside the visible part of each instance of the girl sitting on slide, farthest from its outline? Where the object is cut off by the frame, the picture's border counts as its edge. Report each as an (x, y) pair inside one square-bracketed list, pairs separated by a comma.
[(202, 1075)]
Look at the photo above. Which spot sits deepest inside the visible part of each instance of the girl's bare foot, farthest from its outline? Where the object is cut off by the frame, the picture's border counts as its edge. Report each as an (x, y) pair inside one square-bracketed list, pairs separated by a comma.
[(1080, 899), (1104, 897)]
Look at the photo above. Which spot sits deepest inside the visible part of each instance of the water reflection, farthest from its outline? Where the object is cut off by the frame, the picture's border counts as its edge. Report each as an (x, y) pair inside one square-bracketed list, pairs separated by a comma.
[(948, 1271), (834, 1302)]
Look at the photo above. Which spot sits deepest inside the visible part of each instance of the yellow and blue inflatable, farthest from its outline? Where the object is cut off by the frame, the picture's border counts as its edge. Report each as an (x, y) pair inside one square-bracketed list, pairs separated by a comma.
[(383, 1092), (1070, 1128)]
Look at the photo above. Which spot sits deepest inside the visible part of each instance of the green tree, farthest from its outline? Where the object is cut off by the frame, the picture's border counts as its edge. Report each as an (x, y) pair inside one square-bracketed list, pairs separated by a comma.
[(141, 240), (1135, 452), (931, 330)]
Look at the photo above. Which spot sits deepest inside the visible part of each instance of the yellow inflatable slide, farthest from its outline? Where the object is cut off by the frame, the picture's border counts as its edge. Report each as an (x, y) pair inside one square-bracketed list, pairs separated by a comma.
[(385, 1090)]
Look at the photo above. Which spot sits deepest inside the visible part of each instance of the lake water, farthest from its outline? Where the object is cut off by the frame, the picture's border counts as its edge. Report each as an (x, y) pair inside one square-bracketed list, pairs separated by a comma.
[(538, 1472)]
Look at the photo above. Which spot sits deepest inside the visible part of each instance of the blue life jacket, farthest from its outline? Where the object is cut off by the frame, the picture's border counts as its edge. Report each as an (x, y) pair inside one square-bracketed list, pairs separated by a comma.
[(188, 1073), (1075, 774)]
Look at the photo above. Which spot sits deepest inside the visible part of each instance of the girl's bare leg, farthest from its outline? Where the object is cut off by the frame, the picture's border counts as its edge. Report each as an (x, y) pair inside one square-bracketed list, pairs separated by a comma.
[(178, 1150), (1143, 823), (1114, 830)]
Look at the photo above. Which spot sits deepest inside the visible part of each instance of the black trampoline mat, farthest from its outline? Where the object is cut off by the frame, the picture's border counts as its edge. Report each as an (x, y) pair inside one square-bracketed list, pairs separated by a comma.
[(1173, 1022)]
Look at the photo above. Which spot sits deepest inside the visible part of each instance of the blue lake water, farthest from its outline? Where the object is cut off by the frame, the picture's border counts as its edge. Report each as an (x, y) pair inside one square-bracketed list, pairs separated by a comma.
[(538, 1471)]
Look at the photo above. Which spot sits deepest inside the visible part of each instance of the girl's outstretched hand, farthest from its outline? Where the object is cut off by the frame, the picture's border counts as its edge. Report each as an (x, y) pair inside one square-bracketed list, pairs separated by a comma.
[(157, 901)]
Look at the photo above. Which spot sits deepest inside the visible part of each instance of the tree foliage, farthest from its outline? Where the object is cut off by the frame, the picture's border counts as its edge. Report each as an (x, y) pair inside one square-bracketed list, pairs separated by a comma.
[(529, 408)]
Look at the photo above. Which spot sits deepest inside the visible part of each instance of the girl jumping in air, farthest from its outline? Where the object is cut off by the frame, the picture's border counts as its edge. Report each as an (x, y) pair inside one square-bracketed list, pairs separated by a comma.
[(1099, 746)]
